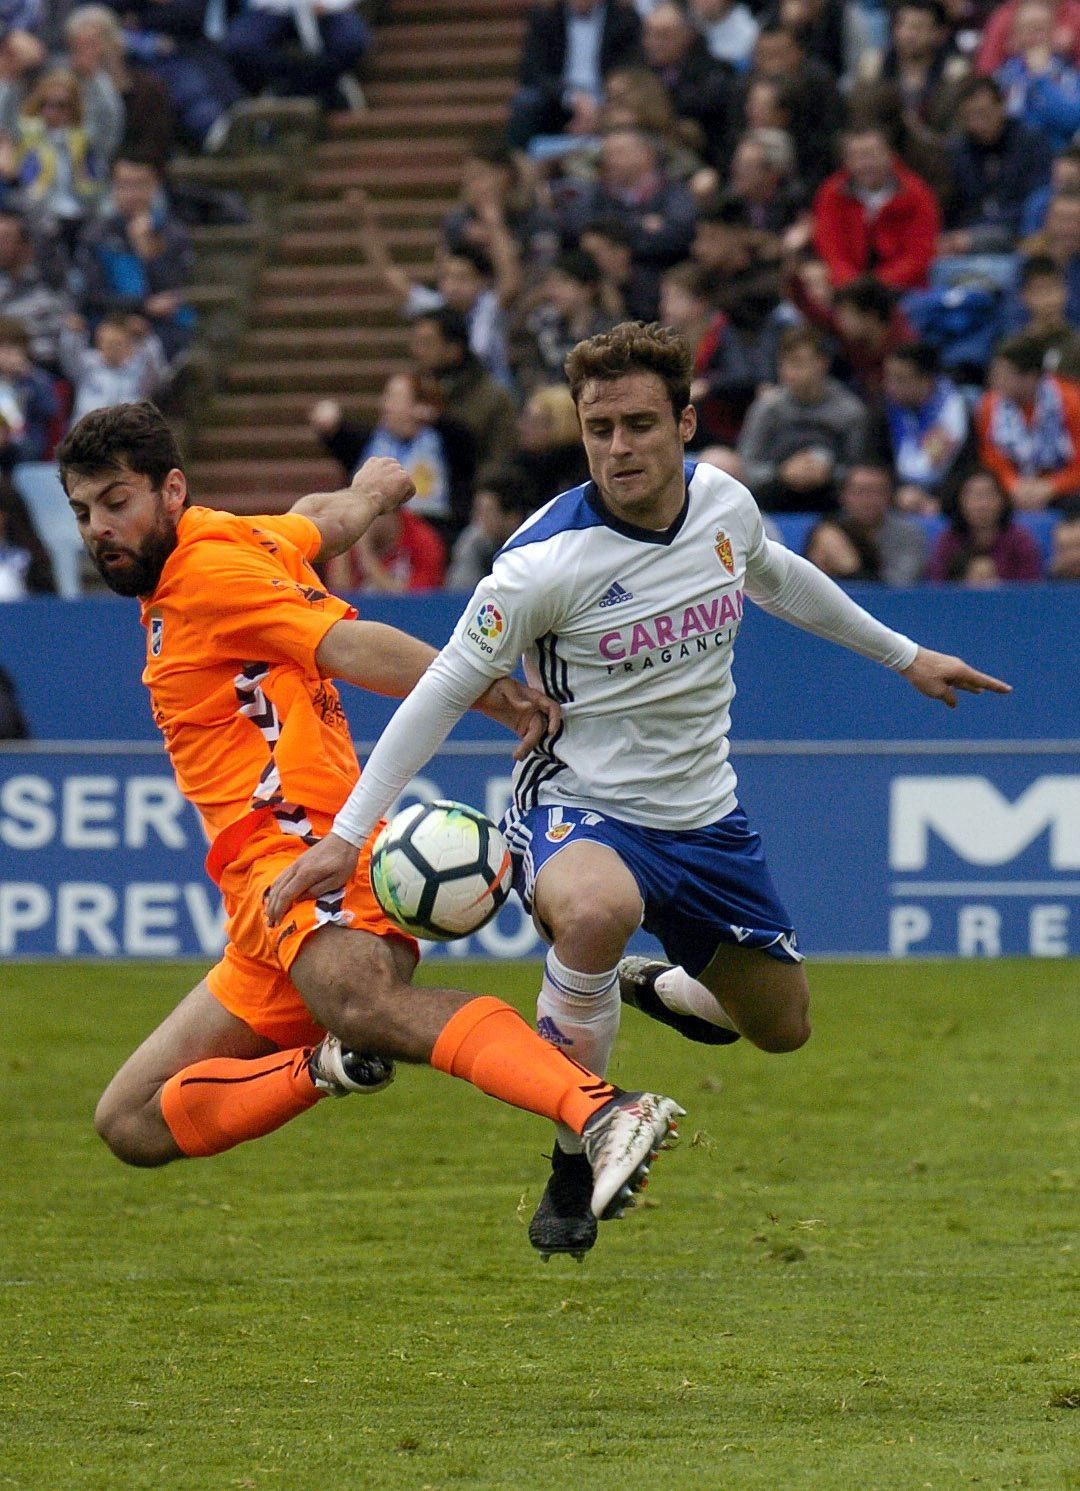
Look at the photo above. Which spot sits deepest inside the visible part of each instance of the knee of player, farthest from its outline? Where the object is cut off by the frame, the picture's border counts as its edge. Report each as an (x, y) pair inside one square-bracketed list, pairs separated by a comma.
[(129, 1137), (788, 1031), (786, 1037), (365, 998), (600, 917)]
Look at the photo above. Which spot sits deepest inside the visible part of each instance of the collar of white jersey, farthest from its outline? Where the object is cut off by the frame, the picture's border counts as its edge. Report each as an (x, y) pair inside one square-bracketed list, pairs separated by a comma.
[(663, 536)]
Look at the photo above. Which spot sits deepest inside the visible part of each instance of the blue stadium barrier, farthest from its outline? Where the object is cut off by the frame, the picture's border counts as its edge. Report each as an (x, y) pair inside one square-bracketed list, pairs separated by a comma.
[(893, 826)]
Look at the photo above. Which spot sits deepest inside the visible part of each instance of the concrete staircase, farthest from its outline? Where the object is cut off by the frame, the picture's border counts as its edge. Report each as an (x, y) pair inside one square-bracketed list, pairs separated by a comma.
[(316, 321)]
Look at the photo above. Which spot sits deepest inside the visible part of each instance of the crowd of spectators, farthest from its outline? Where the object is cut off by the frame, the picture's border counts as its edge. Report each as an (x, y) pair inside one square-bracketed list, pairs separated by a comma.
[(865, 221), (95, 254)]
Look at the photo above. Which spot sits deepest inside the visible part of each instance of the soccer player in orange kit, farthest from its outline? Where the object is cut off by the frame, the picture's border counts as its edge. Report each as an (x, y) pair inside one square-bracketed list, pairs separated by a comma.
[(242, 642)]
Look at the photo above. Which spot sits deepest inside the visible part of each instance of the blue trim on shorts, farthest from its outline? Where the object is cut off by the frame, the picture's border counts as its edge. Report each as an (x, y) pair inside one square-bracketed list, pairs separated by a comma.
[(700, 887)]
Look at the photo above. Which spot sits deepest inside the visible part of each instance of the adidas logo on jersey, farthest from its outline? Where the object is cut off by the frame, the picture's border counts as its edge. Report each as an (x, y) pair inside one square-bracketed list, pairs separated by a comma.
[(615, 595)]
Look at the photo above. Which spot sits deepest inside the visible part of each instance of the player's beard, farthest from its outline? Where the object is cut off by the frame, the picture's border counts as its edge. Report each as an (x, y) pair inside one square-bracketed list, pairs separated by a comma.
[(139, 576)]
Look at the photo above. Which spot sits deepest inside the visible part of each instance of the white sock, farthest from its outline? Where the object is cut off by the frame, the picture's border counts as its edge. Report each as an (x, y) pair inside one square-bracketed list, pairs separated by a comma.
[(578, 1013), (686, 996)]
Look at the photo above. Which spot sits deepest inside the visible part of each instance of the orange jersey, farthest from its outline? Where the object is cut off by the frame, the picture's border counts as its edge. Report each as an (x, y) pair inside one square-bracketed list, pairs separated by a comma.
[(232, 630)]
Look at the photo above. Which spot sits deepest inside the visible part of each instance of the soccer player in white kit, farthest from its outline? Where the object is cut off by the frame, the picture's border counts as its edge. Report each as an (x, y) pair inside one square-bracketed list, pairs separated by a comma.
[(624, 596)]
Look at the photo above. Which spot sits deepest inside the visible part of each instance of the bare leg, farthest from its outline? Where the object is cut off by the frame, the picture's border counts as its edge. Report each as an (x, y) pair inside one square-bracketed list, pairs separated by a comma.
[(768, 1000), (128, 1115)]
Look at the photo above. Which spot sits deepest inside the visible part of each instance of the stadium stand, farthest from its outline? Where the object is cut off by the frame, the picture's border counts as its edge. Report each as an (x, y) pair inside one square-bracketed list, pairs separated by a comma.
[(318, 320)]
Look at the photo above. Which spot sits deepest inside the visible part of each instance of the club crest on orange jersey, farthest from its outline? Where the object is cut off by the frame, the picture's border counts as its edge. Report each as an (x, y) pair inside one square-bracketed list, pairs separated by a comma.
[(157, 635), (723, 550)]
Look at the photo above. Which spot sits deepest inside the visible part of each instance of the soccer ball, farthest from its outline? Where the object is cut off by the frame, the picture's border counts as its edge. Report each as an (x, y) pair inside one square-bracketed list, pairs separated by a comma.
[(440, 870)]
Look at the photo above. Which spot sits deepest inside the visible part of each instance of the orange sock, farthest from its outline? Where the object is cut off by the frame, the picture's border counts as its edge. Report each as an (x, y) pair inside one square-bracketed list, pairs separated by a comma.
[(215, 1104), (490, 1045)]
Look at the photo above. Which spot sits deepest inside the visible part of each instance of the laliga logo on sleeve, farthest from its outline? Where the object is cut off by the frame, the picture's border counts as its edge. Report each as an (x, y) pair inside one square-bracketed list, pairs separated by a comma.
[(485, 629), (489, 621), (722, 549), (157, 635)]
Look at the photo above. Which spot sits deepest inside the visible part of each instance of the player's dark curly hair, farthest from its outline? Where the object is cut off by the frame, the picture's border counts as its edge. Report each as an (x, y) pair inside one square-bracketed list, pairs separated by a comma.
[(132, 436), (634, 347)]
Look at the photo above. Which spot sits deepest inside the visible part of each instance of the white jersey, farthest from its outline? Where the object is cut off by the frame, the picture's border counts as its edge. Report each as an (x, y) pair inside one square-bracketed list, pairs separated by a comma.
[(632, 631)]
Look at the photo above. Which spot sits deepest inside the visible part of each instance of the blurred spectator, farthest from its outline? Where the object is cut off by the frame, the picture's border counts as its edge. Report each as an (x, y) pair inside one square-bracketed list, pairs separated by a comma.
[(169, 38), (700, 87), (862, 319), (763, 179), (550, 454), (998, 37), (637, 99), (22, 51), (24, 294), (1043, 292), (399, 553), (439, 344), (138, 258), (500, 506), (570, 47), (566, 312), (1041, 89), (997, 163), (983, 543), (627, 290), (927, 425), (843, 551), (1059, 240), (437, 452), (467, 280), (875, 215), (125, 363), (880, 106), (492, 173), (868, 513), (800, 439), (102, 107), (1029, 427), (27, 399), (261, 45), (831, 31), (923, 62), (657, 213), (1064, 182), (50, 166), (803, 99), (25, 566), (748, 288), (732, 359), (1065, 549), (131, 96), (729, 28)]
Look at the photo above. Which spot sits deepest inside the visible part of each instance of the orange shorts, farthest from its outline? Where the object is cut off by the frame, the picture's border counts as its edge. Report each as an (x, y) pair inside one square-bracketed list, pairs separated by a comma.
[(251, 980)]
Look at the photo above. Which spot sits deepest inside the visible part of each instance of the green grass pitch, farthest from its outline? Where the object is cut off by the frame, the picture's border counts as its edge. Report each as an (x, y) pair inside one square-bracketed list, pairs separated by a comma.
[(858, 1271)]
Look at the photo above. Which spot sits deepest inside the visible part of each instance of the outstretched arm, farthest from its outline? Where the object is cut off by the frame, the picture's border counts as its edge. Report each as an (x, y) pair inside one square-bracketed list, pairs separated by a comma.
[(341, 517), (792, 588)]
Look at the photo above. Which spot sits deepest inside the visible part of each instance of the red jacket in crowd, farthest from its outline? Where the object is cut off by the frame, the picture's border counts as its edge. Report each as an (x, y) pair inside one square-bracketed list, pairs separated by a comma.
[(896, 245)]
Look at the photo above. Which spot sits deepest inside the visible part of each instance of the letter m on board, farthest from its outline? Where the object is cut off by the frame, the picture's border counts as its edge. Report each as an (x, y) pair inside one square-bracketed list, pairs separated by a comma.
[(979, 824)]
